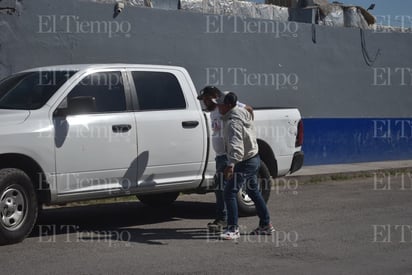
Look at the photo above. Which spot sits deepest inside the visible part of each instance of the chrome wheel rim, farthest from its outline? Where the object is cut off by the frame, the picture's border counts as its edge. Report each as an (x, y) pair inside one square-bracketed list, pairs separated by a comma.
[(13, 208), (245, 197)]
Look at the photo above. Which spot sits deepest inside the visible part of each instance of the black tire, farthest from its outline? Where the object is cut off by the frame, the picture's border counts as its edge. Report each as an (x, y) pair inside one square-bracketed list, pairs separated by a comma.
[(158, 200), (18, 206), (245, 204)]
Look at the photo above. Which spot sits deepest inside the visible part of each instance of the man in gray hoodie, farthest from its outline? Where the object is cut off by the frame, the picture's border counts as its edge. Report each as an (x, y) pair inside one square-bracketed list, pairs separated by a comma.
[(207, 95), (243, 164)]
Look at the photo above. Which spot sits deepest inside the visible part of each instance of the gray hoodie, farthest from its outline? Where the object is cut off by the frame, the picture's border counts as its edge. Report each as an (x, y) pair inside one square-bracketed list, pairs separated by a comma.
[(239, 134)]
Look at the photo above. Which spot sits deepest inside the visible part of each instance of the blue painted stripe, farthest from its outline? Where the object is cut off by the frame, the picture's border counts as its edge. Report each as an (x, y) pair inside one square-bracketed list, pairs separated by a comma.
[(343, 140)]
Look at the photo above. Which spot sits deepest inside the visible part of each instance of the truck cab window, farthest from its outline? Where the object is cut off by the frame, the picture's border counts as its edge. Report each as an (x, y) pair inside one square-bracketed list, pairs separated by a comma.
[(31, 90), (107, 90), (158, 91)]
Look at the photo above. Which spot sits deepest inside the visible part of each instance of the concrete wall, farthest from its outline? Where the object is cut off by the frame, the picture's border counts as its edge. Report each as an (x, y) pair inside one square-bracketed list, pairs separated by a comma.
[(323, 71)]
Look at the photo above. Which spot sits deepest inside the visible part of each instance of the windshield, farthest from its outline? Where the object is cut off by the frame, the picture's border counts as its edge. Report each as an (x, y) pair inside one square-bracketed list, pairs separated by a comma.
[(31, 90)]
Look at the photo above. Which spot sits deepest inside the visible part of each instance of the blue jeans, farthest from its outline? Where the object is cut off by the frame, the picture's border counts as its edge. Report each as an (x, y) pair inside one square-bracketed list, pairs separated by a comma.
[(245, 174), (220, 183)]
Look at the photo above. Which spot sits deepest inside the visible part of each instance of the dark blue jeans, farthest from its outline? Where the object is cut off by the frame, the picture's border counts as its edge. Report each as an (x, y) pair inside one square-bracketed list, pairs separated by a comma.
[(220, 183), (245, 175)]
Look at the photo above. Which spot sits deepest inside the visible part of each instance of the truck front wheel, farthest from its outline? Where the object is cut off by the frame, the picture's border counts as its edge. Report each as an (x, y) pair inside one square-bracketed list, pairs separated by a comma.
[(245, 204), (18, 205), (158, 200)]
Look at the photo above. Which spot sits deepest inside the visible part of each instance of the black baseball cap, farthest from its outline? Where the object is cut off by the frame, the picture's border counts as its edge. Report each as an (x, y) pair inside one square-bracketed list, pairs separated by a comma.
[(209, 90), (228, 98)]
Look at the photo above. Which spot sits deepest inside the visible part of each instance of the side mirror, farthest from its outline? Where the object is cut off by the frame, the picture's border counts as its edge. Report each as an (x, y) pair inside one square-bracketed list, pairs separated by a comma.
[(76, 106)]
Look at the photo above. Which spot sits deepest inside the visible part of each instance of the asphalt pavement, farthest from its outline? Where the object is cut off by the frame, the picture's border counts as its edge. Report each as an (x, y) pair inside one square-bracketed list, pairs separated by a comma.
[(353, 226)]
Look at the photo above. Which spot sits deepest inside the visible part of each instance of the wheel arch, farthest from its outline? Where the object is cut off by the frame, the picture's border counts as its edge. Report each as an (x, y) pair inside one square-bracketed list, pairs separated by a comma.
[(268, 157), (32, 169)]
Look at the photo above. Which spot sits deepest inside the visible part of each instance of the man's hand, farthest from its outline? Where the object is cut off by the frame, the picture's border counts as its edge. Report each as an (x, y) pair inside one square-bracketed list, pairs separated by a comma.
[(250, 110), (228, 172)]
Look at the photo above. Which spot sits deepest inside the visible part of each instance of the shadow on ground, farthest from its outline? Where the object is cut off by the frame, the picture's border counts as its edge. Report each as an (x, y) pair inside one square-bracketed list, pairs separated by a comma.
[(122, 221)]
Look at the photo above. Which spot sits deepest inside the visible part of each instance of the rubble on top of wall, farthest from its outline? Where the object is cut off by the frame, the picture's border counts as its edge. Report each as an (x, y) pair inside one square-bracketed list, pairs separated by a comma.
[(328, 14), (238, 8), (354, 19), (339, 15), (334, 17), (133, 3)]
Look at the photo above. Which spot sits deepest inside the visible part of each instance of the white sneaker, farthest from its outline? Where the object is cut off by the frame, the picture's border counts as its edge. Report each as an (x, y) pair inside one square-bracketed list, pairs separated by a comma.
[(230, 235)]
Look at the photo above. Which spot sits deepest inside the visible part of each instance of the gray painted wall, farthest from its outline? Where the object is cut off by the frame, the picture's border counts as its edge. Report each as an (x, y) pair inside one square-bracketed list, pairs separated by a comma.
[(329, 78)]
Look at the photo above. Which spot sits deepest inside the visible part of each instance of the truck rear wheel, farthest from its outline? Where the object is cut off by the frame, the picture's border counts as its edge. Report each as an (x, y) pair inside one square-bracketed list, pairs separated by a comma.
[(158, 200), (245, 204), (18, 205)]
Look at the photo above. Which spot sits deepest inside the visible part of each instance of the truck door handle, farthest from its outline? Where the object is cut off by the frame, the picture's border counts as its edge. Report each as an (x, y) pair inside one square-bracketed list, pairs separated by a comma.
[(121, 128), (190, 124)]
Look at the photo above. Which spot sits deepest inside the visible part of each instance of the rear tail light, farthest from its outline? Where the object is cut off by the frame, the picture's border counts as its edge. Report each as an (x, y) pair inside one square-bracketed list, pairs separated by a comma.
[(299, 136)]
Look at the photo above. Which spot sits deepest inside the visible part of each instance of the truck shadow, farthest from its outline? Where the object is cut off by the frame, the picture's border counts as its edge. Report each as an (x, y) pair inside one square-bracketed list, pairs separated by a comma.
[(156, 236), (120, 222)]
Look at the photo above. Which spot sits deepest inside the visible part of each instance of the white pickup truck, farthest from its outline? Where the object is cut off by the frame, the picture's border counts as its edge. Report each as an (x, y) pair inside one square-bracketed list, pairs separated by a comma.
[(79, 132)]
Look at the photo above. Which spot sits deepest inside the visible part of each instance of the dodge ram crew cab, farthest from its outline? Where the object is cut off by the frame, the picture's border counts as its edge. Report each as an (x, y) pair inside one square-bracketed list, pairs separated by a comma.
[(79, 132)]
